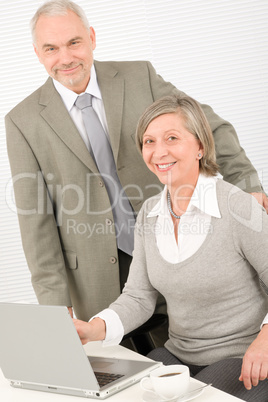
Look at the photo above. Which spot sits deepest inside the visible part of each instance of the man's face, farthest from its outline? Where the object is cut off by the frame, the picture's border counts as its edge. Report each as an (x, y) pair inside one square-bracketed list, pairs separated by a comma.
[(65, 47)]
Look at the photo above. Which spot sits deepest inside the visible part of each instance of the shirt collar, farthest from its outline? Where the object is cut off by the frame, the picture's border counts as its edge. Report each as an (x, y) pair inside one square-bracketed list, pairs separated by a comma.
[(69, 97), (204, 198)]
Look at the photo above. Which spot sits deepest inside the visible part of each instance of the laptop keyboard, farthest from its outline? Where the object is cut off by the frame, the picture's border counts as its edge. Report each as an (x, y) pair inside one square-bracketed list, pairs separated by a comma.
[(106, 378)]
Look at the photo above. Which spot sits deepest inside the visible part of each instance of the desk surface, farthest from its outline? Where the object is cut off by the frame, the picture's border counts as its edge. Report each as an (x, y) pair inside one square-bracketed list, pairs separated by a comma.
[(131, 394)]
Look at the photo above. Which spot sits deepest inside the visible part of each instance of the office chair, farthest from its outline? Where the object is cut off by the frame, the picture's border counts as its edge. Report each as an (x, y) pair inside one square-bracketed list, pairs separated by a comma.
[(141, 338)]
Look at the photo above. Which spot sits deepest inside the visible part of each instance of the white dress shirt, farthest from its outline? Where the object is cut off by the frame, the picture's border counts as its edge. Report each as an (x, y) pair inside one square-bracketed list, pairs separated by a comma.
[(69, 97), (194, 224)]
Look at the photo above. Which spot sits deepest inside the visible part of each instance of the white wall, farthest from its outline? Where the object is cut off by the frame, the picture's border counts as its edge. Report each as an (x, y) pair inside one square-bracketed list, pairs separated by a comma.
[(216, 51)]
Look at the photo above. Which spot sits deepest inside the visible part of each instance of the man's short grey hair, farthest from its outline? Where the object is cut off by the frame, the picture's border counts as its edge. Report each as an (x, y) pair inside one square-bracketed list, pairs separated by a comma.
[(57, 7)]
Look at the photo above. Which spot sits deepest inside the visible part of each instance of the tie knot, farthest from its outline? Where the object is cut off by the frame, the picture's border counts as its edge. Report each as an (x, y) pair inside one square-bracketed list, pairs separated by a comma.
[(83, 101)]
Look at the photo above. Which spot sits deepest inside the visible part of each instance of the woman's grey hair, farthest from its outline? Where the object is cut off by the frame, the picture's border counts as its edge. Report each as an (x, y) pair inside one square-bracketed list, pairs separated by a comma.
[(57, 7), (195, 122)]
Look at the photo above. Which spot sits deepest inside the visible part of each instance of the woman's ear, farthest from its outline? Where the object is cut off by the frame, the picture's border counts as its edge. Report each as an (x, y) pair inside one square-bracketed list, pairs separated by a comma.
[(200, 151)]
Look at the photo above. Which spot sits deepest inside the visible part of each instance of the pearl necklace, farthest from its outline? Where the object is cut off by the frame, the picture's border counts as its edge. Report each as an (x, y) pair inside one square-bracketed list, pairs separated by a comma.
[(169, 207)]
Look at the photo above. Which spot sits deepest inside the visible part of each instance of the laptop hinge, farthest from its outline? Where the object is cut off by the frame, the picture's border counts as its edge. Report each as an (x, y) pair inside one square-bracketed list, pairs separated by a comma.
[(88, 394), (16, 384)]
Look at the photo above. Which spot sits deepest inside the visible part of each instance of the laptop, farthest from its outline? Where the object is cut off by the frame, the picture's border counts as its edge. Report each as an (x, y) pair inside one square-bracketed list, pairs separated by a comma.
[(41, 350)]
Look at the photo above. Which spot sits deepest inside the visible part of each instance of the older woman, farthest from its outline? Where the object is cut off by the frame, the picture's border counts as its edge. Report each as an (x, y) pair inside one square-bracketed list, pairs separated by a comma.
[(203, 244)]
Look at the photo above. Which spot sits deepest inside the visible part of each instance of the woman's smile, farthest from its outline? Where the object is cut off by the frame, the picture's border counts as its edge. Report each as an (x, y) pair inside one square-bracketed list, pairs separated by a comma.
[(165, 167)]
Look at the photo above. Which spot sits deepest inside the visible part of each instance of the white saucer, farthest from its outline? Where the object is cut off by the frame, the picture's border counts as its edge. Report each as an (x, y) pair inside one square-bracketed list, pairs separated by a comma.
[(150, 396)]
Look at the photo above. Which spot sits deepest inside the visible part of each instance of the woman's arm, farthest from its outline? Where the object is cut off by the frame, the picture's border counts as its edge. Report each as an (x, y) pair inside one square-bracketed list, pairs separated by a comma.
[(255, 361), (131, 309), (94, 330), (250, 234)]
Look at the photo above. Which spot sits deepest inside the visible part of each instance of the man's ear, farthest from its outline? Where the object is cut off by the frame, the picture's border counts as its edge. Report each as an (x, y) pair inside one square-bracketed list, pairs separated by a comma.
[(92, 36)]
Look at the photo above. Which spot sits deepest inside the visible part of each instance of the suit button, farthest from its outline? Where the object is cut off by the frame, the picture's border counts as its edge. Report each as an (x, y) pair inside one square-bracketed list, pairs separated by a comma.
[(113, 260), (101, 183), (109, 222)]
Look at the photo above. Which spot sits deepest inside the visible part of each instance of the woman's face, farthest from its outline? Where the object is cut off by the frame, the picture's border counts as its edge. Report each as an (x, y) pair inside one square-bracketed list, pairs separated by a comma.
[(171, 152)]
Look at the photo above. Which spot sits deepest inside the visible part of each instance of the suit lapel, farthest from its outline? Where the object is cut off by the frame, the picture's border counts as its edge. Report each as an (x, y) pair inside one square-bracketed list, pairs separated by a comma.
[(58, 118), (112, 91)]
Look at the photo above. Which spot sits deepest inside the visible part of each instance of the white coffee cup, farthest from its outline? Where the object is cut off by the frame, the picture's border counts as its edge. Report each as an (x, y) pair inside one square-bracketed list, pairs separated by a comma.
[(168, 382)]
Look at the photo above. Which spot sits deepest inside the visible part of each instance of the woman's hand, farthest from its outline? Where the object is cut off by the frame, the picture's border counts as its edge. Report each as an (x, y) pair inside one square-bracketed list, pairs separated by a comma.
[(255, 361), (94, 330)]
